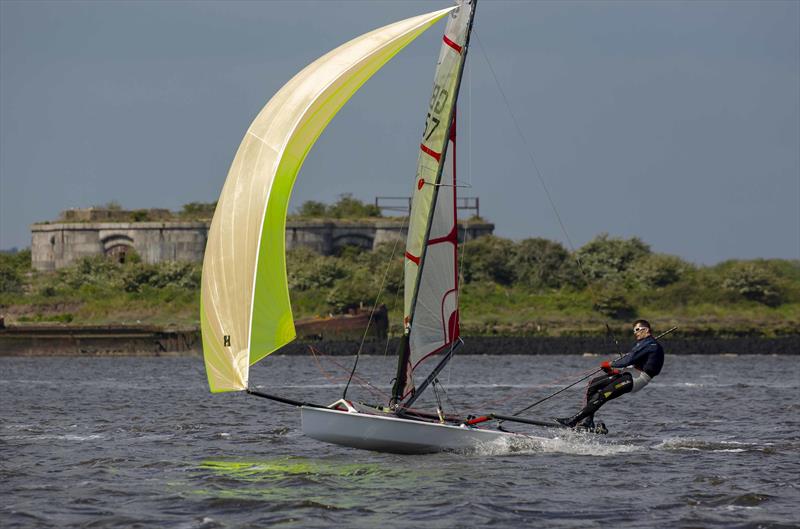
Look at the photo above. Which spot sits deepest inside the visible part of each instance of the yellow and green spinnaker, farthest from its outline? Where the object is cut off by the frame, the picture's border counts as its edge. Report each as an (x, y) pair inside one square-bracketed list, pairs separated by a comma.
[(245, 312)]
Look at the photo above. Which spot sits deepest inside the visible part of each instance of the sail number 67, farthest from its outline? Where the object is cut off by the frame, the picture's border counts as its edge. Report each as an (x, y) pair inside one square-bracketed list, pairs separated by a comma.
[(427, 135)]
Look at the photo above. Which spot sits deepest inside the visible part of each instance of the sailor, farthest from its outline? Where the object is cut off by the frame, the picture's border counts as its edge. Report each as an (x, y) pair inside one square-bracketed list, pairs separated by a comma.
[(627, 374)]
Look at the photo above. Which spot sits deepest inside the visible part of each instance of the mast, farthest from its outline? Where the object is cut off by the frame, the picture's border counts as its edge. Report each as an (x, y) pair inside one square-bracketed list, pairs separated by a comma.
[(439, 101)]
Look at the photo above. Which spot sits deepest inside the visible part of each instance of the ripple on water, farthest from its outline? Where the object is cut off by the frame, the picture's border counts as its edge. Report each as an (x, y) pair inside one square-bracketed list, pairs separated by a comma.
[(748, 499), (701, 445), (179, 457), (53, 437)]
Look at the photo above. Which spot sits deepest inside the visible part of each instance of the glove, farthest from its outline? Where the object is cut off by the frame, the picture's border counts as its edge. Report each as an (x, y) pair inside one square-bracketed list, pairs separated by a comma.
[(606, 366)]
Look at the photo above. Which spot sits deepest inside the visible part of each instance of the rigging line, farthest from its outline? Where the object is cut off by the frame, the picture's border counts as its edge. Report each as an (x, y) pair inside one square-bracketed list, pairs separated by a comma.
[(529, 151), (372, 312), (400, 284), (436, 383), (556, 393), (447, 396), (529, 391), (469, 124), (462, 259), (362, 382), (584, 376), (330, 378)]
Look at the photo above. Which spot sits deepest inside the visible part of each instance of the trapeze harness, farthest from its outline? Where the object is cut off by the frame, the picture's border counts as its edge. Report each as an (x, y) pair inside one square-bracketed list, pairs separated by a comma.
[(640, 378)]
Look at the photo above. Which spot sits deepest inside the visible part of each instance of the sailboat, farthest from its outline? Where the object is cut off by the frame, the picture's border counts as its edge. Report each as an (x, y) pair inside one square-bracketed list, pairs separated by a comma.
[(245, 308)]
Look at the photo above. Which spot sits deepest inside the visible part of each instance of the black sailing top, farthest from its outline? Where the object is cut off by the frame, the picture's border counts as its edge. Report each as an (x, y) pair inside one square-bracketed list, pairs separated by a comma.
[(647, 355)]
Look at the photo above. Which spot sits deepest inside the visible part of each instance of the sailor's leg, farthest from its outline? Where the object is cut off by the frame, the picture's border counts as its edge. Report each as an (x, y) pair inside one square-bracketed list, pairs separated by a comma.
[(617, 386), (594, 386)]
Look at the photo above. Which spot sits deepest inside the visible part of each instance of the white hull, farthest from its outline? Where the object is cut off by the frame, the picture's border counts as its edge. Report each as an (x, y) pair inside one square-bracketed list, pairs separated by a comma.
[(393, 434)]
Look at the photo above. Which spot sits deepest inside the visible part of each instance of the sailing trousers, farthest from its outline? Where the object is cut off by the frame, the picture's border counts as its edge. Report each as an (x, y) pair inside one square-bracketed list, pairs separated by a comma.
[(601, 390)]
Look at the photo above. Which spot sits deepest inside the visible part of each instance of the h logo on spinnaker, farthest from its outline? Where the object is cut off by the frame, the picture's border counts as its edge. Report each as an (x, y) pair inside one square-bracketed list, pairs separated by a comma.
[(226, 340)]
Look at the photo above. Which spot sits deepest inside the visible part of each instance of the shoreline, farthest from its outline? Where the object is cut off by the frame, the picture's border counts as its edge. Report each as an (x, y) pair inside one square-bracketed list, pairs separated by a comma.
[(148, 340)]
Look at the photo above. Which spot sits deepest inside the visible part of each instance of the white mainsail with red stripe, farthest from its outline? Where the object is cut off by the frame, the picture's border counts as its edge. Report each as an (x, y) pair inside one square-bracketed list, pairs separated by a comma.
[(431, 264)]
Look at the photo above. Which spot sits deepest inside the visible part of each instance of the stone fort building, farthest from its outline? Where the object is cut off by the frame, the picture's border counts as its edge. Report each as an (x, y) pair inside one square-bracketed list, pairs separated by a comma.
[(158, 235)]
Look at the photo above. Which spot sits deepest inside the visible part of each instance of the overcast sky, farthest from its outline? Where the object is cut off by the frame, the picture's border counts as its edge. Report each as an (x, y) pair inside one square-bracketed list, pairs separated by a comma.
[(678, 122)]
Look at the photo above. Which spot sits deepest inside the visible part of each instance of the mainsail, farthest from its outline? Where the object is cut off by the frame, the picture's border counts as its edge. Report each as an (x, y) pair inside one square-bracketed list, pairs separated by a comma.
[(431, 259), (245, 312)]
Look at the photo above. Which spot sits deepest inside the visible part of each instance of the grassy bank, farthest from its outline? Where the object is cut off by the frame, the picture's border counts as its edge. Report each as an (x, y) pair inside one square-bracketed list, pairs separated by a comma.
[(98, 291), (528, 288)]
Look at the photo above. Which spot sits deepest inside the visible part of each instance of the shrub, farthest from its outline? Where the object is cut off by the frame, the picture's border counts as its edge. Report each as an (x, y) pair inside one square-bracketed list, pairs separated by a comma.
[(614, 304), (346, 207), (13, 268), (308, 270), (163, 275), (658, 270), (11, 281), (47, 291), (93, 275), (350, 293), (488, 259), (140, 215), (198, 210), (349, 252), (313, 209), (541, 263), (752, 282), (787, 278), (182, 275), (607, 257), (95, 270), (386, 254)]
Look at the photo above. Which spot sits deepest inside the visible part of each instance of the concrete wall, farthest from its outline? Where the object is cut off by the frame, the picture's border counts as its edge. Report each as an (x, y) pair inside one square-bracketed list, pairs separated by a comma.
[(327, 237), (59, 244)]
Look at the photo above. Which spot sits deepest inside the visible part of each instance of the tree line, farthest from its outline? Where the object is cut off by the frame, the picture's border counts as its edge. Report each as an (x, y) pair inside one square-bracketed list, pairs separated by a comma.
[(616, 274)]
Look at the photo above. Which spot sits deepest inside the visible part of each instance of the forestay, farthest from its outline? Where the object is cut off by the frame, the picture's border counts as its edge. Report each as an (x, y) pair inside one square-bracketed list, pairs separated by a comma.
[(431, 263), (245, 311)]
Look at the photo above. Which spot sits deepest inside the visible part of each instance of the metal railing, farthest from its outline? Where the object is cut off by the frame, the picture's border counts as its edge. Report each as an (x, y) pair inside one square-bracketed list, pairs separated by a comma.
[(403, 204)]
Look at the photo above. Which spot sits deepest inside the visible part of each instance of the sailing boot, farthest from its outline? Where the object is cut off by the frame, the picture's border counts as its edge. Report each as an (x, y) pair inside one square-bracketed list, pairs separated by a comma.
[(584, 414), (588, 425)]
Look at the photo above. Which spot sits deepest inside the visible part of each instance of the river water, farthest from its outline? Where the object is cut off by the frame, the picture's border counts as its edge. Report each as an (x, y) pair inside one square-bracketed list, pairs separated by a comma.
[(139, 442)]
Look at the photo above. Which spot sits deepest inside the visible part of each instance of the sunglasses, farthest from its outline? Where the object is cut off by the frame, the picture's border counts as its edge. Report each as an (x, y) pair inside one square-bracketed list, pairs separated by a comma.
[(637, 329)]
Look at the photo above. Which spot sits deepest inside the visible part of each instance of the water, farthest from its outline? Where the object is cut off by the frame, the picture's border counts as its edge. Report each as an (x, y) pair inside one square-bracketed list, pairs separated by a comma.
[(139, 442)]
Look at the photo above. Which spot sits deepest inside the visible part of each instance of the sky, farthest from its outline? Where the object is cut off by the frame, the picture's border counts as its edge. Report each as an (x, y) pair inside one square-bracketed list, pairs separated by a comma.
[(677, 122)]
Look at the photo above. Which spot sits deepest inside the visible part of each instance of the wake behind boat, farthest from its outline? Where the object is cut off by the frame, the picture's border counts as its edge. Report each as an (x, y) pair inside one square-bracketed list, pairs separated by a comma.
[(245, 308)]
